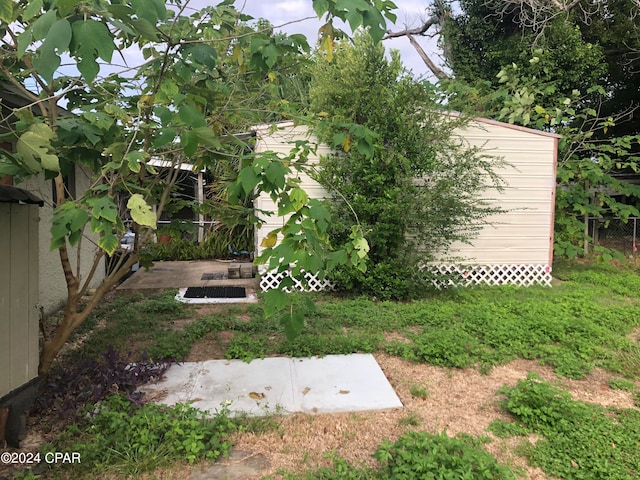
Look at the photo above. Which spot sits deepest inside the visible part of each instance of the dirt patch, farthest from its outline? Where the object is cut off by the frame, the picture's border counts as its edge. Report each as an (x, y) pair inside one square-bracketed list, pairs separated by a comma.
[(210, 347), (458, 401)]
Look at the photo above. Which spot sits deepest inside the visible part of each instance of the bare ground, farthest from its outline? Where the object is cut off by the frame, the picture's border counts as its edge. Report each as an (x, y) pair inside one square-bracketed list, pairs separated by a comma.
[(451, 400), (456, 401)]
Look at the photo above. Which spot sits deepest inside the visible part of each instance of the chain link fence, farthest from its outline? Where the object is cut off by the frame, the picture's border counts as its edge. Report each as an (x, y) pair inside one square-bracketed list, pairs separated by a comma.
[(615, 233)]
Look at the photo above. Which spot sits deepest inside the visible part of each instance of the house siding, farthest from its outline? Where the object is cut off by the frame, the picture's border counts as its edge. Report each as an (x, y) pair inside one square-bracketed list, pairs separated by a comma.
[(53, 287), (522, 235)]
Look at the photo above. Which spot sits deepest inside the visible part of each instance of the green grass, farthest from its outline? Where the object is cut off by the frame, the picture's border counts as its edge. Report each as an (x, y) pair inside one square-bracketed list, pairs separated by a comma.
[(584, 322)]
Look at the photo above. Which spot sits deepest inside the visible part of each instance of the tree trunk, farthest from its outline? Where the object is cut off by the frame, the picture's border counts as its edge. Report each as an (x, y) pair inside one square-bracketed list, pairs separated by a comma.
[(73, 318)]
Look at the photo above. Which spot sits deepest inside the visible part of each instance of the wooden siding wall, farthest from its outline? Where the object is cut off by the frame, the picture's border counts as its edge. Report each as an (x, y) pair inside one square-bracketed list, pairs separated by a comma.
[(521, 235), (18, 295)]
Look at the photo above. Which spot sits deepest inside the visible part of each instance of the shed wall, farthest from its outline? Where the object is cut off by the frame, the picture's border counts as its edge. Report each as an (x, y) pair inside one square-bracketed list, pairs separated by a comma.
[(18, 295), (281, 141), (515, 244), (524, 233)]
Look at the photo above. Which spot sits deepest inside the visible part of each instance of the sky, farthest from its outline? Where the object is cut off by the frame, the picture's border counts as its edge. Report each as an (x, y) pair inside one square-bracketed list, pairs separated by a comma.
[(410, 13)]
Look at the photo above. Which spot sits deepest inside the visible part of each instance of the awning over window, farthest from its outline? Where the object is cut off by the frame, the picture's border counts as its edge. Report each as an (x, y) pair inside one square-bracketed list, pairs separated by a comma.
[(11, 194)]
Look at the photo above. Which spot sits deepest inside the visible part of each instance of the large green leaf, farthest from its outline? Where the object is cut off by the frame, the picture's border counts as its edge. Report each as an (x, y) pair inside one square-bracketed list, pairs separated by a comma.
[(208, 137), (68, 221), (104, 207), (141, 212), (6, 10), (43, 24), (91, 39), (56, 42), (33, 8), (150, 10), (108, 242), (34, 147), (191, 116), (203, 54)]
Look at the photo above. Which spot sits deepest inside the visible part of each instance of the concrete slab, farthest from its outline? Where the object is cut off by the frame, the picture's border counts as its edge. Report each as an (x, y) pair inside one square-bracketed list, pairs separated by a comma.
[(335, 383)]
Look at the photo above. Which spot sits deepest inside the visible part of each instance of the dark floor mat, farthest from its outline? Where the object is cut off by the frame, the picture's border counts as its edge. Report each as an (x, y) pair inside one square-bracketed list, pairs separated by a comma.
[(215, 292)]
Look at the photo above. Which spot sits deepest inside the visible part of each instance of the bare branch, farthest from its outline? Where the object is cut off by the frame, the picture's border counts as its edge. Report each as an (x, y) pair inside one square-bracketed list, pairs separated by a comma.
[(413, 31), (437, 71)]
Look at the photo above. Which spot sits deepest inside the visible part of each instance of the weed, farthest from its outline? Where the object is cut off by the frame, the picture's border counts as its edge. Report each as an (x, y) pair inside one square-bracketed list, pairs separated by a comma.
[(622, 384), (580, 440), (419, 391), (129, 439), (411, 419), (423, 455)]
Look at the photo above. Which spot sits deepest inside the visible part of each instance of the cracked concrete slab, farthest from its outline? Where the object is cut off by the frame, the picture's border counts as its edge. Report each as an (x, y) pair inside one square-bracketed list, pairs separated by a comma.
[(335, 383)]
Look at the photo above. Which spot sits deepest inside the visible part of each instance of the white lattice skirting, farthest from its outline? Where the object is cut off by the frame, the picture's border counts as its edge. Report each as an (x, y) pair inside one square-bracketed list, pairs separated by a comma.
[(465, 275), (450, 275), (272, 279)]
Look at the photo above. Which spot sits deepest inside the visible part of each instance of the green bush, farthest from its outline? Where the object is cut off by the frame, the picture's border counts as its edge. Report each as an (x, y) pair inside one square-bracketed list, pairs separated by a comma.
[(421, 455), (579, 440), (128, 438)]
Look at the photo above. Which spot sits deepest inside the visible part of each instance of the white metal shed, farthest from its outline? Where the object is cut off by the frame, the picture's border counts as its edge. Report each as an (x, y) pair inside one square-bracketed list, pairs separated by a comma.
[(515, 247)]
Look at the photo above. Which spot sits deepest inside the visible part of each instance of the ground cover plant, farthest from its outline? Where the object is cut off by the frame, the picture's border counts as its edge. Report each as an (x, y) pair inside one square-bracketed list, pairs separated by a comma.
[(578, 439), (588, 319)]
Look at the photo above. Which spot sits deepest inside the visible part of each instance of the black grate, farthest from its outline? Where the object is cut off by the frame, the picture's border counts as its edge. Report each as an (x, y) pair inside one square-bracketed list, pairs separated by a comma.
[(213, 276), (215, 292)]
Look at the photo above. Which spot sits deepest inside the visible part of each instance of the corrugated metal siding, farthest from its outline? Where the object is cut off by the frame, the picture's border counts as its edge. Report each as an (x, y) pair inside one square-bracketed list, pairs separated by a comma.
[(18, 295), (521, 235)]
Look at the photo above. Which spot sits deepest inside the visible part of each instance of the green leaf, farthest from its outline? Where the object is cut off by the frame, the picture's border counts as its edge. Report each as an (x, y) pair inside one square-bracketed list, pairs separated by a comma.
[(191, 116), (108, 242), (141, 211), (320, 7), (164, 114), (203, 54), (134, 159), (6, 10), (144, 28), (189, 143), (91, 39), (33, 8), (208, 137), (164, 136), (248, 179), (43, 24), (57, 41), (274, 301), (65, 7), (68, 221), (34, 146), (299, 198), (104, 208), (293, 323), (150, 10)]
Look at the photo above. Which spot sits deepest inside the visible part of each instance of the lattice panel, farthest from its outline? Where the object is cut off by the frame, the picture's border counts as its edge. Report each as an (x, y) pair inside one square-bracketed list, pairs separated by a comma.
[(449, 275), (312, 283), (465, 275)]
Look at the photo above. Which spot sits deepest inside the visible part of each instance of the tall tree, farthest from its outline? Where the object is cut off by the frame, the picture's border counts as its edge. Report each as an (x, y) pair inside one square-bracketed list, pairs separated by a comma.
[(417, 190), (197, 80)]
